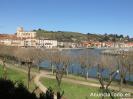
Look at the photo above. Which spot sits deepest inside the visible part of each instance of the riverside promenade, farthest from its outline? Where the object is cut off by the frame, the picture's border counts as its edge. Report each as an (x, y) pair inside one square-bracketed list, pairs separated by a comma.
[(47, 74)]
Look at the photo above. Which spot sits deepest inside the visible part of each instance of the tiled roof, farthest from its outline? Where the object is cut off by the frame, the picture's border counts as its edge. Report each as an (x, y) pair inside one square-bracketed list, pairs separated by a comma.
[(130, 44), (7, 36)]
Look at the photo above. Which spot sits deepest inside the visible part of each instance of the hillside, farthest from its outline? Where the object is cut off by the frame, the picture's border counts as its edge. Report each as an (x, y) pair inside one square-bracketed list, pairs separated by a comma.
[(66, 36), (61, 35)]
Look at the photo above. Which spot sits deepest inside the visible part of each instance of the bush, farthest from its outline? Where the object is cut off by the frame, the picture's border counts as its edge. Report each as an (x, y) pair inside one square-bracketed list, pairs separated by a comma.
[(11, 90)]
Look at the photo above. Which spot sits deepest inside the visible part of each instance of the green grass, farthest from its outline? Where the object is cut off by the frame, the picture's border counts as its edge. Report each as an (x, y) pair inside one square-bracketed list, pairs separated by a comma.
[(61, 35), (15, 75), (72, 91), (75, 91), (96, 81), (77, 77)]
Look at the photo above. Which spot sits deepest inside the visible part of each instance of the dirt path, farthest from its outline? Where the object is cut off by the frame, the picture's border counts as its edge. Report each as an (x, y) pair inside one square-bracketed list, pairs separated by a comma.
[(36, 78), (47, 74), (40, 85)]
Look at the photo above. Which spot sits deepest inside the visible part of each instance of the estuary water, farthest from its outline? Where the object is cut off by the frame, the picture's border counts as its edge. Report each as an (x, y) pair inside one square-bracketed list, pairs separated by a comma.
[(76, 69)]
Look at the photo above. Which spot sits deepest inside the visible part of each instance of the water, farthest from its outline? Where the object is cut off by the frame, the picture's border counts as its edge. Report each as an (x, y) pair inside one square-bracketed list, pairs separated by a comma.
[(76, 69)]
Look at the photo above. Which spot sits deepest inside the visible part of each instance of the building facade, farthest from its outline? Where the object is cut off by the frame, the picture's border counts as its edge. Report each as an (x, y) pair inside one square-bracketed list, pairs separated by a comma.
[(46, 43), (23, 34), (30, 43)]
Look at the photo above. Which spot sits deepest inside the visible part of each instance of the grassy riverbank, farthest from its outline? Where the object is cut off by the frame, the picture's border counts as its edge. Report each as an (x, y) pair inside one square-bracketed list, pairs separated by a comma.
[(15, 75), (96, 81), (73, 91)]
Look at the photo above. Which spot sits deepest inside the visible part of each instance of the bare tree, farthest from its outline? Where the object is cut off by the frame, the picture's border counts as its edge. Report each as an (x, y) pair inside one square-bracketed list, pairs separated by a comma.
[(124, 62), (120, 64), (86, 61), (61, 64), (59, 68), (130, 64), (106, 63), (6, 53), (50, 58), (40, 56), (67, 61), (28, 57), (82, 59)]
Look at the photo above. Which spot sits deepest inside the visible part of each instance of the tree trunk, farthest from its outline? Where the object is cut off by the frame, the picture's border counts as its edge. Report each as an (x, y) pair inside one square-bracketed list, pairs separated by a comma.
[(121, 83), (129, 73), (72, 69), (66, 72), (103, 93), (87, 75), (52, 67), (38, 68), (110, 80), (5, 70), (29, 69), (60, 95), (84, 73)]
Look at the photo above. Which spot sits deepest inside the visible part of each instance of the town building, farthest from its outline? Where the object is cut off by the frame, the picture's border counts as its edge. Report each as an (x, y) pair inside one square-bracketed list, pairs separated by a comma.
[(24, 34), (30, 43), (28, 39), (10, 40), (129, 45), (67, 45), (46, 43)]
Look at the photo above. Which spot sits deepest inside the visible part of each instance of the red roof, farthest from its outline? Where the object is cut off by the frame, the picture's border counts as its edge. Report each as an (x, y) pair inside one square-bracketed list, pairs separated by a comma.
[(7, 36), (130, 44)]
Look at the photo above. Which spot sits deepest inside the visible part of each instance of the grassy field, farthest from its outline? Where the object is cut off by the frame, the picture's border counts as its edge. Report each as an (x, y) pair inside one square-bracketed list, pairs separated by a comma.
[(76, 91), (96, 81), (15, 75), (73, 91)]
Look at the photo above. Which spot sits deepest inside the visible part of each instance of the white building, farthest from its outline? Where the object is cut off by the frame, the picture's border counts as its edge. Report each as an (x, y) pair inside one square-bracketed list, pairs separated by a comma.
[(47, 43), (17, 42), (12, 42), (67, 44), (26, 39), (30, 43), (22, 34), (60, 44), (6, 42)]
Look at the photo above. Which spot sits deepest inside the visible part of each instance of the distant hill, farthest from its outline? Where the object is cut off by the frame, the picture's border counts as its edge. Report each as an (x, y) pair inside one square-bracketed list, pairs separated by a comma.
[(66, 36)]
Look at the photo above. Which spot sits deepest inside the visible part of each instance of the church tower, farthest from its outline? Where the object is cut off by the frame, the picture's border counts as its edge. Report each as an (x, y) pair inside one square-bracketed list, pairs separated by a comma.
[(20, 29)]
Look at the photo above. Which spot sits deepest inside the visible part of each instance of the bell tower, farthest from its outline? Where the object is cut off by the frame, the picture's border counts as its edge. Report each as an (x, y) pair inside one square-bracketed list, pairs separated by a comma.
[(20, 29)]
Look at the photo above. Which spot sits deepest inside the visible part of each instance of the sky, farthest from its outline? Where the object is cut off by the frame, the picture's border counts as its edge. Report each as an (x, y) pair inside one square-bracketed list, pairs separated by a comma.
[(85, 16)]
